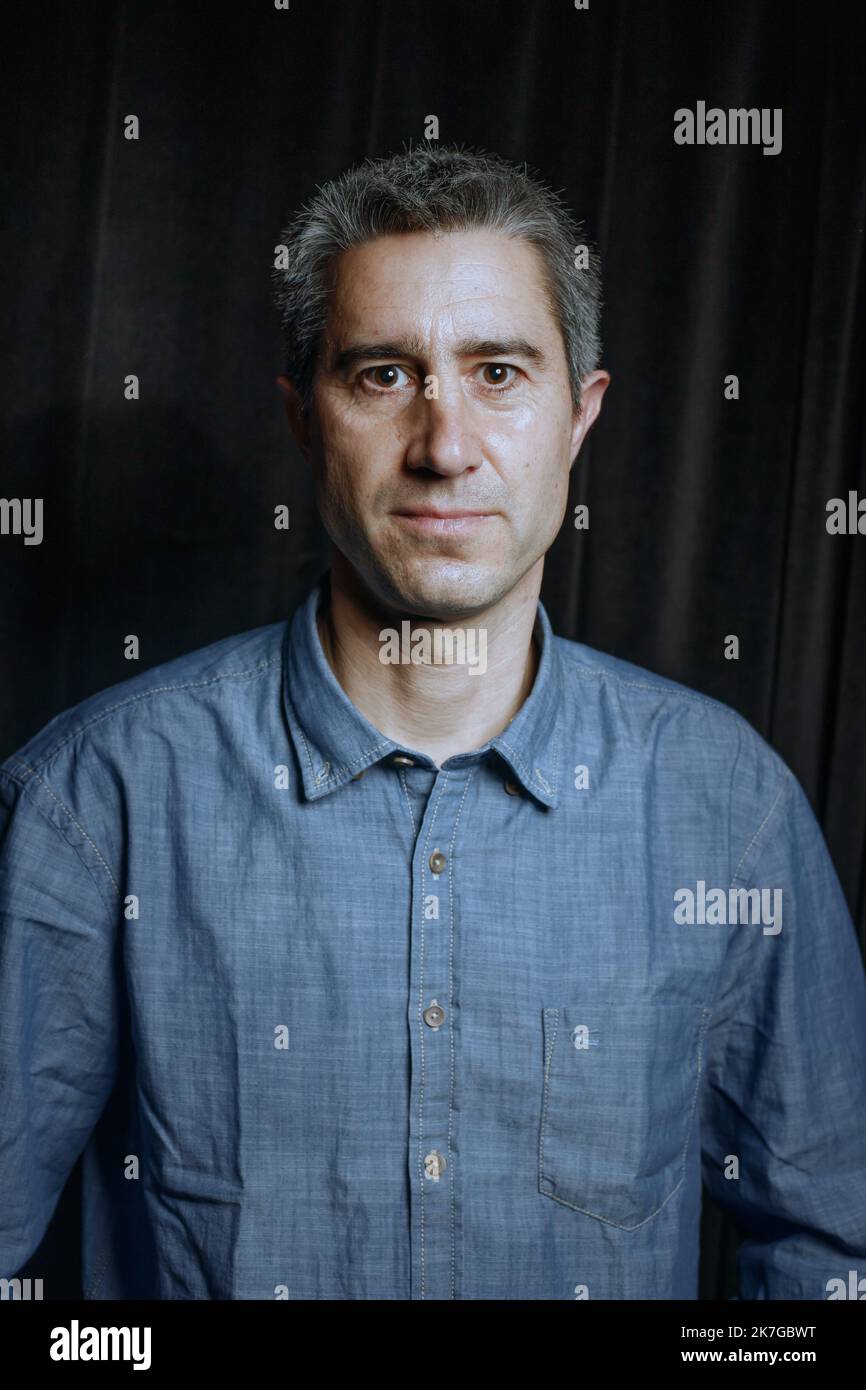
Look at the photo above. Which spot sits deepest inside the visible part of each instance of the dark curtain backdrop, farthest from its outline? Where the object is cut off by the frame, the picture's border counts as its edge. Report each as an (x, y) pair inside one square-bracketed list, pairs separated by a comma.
[(707, 515)]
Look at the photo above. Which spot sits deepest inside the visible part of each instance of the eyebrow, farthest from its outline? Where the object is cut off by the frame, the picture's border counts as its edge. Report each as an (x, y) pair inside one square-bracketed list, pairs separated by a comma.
[(353, 353)]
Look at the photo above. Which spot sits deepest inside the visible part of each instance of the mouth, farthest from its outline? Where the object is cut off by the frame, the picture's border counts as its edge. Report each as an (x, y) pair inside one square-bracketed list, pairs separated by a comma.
[(436, 522)]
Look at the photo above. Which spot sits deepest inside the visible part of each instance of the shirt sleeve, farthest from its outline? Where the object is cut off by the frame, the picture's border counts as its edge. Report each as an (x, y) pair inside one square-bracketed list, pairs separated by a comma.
[(785, 1070), (58, 1005)]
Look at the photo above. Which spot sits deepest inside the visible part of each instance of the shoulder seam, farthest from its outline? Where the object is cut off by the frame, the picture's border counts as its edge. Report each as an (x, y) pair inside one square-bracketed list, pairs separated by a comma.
[(785, 783), (145, 694), (681, 692), (24, 786)]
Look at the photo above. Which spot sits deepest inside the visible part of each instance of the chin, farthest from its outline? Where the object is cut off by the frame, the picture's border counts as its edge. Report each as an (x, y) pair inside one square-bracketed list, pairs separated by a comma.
[(444, 589)]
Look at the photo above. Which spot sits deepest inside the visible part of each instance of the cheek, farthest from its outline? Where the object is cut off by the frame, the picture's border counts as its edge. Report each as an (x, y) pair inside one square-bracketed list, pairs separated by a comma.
[(550, 497), (345, 486), (362, 455), (544, 479), (542, 456)]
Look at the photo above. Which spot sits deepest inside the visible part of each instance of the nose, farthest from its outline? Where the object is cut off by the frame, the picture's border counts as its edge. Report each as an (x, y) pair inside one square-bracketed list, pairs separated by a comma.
[(444, 438)]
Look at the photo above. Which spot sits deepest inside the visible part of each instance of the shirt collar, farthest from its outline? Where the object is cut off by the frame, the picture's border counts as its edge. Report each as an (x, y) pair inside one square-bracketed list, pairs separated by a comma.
[(334, 742)]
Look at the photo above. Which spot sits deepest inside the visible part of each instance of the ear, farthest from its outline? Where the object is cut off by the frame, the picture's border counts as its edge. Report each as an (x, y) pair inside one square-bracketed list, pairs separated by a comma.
[(298, 423), (592, 388)]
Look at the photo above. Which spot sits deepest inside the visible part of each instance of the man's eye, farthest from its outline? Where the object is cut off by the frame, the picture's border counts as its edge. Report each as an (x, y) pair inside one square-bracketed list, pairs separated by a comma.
[(383, 378), (497, 378)]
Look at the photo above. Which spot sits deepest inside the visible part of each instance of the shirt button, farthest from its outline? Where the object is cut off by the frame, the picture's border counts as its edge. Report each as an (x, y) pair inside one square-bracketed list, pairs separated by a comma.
[(401, 760), (434, 1164), (437, 861), (434, 1015), (358, 775), (512, 787)]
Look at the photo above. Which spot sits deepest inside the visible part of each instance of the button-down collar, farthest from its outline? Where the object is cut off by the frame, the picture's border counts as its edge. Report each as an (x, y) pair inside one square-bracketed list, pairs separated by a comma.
[(335, 742)]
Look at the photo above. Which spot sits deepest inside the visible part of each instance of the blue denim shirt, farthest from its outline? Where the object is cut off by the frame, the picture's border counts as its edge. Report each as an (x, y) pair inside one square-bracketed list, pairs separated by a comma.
[(330, 1022)]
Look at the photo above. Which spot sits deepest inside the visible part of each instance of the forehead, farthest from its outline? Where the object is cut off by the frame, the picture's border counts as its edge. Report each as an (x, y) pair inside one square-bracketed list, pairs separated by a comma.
[(439, 282)]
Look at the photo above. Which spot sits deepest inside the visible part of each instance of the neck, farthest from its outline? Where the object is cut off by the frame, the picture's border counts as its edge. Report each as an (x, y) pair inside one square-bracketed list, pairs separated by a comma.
[(437, 709)]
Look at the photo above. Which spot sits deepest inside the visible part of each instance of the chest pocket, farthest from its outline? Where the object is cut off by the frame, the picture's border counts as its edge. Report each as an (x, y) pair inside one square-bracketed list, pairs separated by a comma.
[(619, 1091)]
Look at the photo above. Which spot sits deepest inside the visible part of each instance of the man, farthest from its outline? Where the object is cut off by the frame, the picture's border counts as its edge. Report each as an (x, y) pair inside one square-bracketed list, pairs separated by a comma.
[(420, 953)]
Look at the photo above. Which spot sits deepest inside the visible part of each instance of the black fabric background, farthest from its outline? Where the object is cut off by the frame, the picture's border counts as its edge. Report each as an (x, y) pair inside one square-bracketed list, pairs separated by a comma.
[(707, 516)]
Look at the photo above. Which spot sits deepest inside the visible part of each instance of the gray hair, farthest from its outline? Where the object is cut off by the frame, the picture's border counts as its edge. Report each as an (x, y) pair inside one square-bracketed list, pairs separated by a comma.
[(434, 188)]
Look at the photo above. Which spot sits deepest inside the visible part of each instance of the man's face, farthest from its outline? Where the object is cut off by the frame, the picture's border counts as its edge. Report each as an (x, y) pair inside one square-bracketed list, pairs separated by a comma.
[(494, 432)]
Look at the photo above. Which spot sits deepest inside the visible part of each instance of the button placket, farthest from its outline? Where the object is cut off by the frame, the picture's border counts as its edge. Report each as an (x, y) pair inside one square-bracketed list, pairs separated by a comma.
[(435, 1220)]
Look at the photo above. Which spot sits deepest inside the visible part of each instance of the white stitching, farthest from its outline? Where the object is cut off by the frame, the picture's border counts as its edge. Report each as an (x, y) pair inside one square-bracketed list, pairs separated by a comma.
[(705, 1017), (157, 690), (67, 812), (472, 773)]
